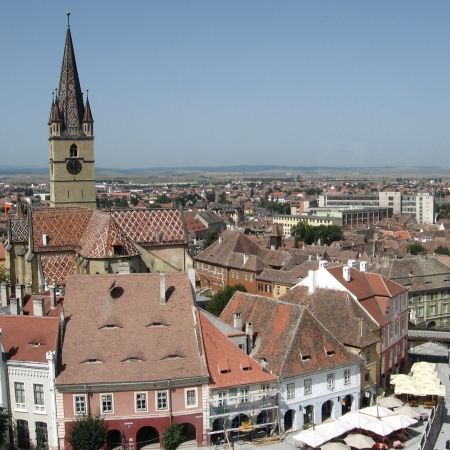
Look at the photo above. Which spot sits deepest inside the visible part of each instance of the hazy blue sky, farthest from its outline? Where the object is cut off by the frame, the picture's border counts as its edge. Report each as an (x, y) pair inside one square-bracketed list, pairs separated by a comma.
[(234, 82)]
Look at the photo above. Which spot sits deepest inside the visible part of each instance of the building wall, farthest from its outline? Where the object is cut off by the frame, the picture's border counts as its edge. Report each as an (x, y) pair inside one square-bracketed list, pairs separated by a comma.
[(31, 374), (67, 189), (320, 394), (391, 200), (428, 306)]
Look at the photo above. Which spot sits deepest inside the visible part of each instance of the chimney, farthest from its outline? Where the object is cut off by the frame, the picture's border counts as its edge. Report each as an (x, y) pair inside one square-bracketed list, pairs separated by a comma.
[(4, 294), (191, 276), (363, 266), (352, 263), (323, 264), (249, 333), (162, 288), (220, 239), (312, 285), (14, 306), (245, 258), (346, 270), (44, 240), (20, 290), (2, 350), (38, 307), (237, 321), (52, 289)]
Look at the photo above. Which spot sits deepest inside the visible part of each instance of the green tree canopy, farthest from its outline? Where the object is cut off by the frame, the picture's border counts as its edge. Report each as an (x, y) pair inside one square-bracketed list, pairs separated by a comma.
[(441, 250), (173, 436), (416, 248), (310, 234), (210, 237), (219, 300), (88, 433), (4, 274), (4, 424)]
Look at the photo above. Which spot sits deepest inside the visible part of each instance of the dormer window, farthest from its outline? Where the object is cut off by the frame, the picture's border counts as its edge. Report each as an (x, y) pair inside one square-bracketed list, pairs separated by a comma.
[(73, 151)]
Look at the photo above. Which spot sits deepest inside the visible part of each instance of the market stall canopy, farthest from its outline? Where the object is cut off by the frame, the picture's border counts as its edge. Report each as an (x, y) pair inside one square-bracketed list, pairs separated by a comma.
[(376, 411), (359, 441), (389, 402), (398, 421), (314, 437)]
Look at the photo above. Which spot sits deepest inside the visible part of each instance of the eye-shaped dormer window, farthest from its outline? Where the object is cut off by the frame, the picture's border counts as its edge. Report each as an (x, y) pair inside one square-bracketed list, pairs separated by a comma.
[(73, 151)]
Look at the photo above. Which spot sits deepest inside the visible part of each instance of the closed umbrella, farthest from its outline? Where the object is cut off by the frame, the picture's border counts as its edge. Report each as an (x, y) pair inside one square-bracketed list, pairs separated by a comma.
[(389, 402), (359, 441), (398, 421), (334, 446)]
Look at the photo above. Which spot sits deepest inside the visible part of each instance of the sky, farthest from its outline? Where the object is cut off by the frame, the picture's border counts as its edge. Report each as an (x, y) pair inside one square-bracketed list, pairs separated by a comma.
[(209, 83)]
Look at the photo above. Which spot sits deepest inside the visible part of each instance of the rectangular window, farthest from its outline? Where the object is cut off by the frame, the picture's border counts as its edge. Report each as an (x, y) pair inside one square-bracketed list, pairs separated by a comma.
[(243, 394), (347, 376), (38, 391), (106, 403), (308, 386), (264, 390), (290, 391), (330, 381), (191, 398), (141, 401), (161, 400), (79, 404), (19, 389), (222, 398)]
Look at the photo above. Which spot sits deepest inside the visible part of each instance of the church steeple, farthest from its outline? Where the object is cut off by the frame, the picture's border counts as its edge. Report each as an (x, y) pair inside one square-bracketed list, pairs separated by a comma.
[(70, 98)]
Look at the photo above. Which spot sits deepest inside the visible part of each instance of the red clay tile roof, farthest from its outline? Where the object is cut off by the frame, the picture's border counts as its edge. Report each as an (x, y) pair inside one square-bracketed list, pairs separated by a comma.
[(219, 348), (334, 308), (288, 337), (364, 284), (119, 332), (28, 338)]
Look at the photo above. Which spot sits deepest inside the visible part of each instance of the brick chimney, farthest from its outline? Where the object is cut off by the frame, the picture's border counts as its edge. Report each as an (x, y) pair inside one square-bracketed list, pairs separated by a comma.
[(162, 288), (4, 294), (38, 307), (14, 306), (346, 273), (237, 321), (52, 289)]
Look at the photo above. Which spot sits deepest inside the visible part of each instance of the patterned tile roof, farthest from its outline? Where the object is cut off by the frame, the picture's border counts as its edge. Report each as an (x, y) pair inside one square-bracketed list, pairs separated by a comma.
[(101, 236), (58, 267), (19, 229), (152, 227), (62, 226)]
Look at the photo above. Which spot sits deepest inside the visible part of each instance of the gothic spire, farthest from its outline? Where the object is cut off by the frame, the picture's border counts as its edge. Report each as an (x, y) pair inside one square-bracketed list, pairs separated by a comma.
[(70, 99)]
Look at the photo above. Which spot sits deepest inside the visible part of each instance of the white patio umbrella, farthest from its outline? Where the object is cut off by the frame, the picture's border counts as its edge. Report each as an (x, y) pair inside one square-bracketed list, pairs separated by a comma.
[(355, 419), (378, 427), (324, 432), (398, 378), (398, 421), (375, 411), (359, 441), (389, 402), (407, 410), (406, 387), (334, 446), (423, 365)]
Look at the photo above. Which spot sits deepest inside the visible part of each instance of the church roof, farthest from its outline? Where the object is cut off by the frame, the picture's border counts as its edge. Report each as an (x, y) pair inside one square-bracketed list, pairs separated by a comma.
[(69, 96)]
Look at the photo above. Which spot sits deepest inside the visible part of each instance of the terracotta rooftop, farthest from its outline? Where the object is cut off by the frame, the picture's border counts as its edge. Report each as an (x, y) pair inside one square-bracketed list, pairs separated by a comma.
[(241, 368), (287, 336), (27, 338), (118, 331)]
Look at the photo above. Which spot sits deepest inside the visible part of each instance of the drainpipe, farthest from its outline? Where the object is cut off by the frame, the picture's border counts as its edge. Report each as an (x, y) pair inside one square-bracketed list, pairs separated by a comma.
[(170, 402)]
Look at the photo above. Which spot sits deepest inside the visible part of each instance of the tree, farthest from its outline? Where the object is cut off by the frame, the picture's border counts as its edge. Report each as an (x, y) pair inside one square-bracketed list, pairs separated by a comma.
[(4, 424), (210, 237), (220, 299), (88, 433), (4, 274), (310, 234), (416, 248), (442, 250), (173, 436), (211, 196)]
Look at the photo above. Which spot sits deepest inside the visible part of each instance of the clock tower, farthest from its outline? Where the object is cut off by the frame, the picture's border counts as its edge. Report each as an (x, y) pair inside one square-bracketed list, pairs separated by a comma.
[(71, 139)]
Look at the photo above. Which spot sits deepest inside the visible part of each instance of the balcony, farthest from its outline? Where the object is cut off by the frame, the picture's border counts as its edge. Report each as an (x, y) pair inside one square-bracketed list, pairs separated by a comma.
[(236, 406)]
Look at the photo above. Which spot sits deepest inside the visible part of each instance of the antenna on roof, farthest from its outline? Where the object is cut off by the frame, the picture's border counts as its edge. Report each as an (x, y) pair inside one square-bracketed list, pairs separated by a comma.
[(87, 94), (68, 19)]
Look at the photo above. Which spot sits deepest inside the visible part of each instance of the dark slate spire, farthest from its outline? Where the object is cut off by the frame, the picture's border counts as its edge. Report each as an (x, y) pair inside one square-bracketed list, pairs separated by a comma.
[(70, 98), (87, 117)]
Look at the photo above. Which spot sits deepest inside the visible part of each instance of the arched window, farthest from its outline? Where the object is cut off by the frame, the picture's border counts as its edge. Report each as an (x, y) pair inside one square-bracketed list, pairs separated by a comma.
[(73, 151)]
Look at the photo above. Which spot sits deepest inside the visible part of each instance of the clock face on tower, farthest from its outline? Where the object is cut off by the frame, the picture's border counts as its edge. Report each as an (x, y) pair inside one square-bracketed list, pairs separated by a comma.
[(74, 166)]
